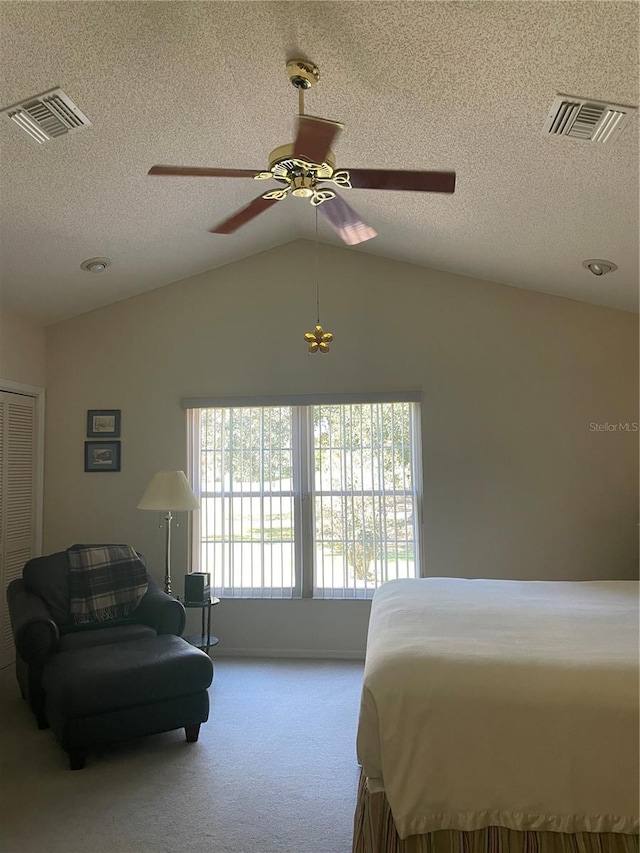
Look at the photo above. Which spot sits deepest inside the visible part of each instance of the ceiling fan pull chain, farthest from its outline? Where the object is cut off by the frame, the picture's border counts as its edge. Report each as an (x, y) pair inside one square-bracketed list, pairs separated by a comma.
[(314, 338), (318, 340), (301, 102), (317, 271)]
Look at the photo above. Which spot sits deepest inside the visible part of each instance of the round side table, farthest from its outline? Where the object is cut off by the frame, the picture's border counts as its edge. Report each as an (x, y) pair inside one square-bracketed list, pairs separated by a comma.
[(205, 640)]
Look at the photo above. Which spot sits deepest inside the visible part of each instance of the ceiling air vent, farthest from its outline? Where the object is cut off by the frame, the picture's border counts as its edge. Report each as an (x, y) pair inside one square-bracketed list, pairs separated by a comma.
[(591, 121), (47, 116)]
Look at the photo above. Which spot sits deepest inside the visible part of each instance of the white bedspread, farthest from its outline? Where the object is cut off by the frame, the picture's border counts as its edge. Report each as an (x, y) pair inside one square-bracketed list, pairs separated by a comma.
[(509, 703)]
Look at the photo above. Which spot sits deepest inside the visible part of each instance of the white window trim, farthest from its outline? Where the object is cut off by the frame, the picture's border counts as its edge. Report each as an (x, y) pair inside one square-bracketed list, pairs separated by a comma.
[(304, 581)]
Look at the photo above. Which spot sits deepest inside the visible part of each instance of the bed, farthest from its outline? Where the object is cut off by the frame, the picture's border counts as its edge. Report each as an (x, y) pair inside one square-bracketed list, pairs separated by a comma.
[(499, 715)]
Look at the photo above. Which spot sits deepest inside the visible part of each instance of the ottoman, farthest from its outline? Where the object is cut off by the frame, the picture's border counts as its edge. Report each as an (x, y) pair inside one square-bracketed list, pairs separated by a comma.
[(102, 694)]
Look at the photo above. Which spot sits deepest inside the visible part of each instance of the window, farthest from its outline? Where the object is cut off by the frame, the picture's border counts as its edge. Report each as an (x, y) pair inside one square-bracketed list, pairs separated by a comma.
[(313, 499)]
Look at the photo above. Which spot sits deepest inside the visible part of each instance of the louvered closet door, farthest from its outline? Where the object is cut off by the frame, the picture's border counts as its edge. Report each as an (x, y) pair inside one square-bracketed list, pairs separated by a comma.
[(17, 499)]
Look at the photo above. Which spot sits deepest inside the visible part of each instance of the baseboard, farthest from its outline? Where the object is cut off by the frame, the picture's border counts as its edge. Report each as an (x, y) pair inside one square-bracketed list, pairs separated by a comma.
[(310, 654)]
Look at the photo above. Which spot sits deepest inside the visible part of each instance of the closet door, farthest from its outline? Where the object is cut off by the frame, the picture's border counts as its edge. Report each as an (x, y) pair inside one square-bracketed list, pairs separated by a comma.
[(18, 523)]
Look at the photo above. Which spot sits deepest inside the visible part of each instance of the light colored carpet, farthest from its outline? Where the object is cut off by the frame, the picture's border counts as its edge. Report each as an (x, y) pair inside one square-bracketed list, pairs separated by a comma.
[(274, 771)]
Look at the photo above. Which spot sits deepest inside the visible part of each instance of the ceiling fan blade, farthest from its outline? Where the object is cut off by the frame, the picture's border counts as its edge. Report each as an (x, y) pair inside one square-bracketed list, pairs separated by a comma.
[(399, 179), (314, 138), (244, 215), (345, 221), (201, 172)]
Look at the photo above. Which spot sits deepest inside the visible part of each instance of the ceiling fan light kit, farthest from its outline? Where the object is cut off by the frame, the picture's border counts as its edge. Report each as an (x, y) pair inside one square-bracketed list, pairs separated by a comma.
[(303, 168)]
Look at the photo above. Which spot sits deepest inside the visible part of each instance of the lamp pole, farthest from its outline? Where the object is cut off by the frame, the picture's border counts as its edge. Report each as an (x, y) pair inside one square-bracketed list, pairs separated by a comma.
[(167, 561)]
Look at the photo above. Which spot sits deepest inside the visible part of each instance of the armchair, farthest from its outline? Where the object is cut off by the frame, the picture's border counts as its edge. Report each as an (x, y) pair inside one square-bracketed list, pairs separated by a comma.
[(110, 680), (42, 626)]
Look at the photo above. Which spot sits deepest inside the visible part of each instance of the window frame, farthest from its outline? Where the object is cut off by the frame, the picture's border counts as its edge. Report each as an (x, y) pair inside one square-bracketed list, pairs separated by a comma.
[(303, 493)]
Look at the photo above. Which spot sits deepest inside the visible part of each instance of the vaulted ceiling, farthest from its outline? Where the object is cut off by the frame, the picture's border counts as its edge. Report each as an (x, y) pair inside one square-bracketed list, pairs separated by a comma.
[(465, 86)]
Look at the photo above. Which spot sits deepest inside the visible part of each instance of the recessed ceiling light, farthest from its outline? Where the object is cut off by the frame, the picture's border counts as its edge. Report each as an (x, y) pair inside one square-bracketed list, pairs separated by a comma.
[(95, 264), (599, 267)]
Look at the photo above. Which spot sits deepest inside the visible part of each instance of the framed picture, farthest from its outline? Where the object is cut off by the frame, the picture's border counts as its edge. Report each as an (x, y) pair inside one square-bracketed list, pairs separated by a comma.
[(103, 422), (102, 456)]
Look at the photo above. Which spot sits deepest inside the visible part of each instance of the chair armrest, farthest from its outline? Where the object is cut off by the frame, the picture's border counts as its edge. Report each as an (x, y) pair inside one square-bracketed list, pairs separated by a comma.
[(160, 611), (35, 634)]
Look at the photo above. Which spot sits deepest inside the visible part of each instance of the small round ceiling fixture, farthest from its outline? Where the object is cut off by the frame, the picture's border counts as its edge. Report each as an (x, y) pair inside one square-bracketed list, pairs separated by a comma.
[(599, 267), (95, 264)]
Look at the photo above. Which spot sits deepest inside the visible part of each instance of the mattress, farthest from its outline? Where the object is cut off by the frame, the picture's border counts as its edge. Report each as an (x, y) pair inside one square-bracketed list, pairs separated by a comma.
[(503, 703)]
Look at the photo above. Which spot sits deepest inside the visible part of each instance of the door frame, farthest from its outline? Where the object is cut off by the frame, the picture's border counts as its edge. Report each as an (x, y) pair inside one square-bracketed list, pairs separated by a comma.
[(12, 387)]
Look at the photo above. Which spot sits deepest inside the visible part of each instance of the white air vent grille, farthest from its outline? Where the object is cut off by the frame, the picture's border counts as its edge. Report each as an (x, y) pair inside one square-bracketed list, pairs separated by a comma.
[(47, 116), (591, 121)]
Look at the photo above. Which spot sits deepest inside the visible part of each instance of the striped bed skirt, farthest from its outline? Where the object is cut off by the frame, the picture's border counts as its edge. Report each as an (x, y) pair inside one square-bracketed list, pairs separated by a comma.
[(374, 832)]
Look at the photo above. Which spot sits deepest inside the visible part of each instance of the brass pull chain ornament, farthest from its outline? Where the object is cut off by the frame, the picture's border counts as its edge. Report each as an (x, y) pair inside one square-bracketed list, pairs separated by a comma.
[(318, 340)]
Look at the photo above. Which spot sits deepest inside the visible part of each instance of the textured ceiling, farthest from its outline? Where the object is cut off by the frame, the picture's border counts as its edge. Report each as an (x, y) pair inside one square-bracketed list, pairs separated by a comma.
[(419, 85)]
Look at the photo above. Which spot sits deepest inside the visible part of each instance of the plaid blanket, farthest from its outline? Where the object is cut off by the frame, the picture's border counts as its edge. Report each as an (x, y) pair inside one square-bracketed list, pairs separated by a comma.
[(105, 582)]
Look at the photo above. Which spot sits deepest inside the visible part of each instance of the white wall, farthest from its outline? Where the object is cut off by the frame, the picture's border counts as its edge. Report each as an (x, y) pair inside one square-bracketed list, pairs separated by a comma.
[(22, 350), (516, 483)]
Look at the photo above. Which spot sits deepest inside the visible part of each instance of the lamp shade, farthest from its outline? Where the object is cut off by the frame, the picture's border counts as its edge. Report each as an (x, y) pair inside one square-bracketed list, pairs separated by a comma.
[(169, 491)]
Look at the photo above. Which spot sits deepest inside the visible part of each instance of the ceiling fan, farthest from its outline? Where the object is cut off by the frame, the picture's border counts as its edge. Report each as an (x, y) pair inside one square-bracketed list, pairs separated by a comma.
[(304, 167)]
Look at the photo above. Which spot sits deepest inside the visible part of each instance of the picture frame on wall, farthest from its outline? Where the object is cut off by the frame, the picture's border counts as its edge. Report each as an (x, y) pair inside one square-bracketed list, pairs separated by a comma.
[(103, 422), (101, 456)]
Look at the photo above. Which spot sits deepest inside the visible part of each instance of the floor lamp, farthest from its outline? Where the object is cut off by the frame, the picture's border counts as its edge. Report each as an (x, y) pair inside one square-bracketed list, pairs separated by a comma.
[(168, 492)]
